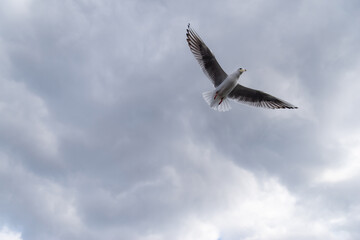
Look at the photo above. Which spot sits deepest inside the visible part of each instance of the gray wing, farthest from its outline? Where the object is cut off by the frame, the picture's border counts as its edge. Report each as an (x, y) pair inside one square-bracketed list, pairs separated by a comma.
[(204, 56), (257, 98)]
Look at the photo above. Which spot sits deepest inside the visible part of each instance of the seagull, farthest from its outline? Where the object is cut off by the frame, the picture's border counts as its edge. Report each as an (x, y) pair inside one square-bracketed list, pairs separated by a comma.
[(226, 86)]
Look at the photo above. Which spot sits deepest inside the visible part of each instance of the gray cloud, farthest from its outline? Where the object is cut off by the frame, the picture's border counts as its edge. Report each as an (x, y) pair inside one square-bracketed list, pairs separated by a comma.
[(104, 133)]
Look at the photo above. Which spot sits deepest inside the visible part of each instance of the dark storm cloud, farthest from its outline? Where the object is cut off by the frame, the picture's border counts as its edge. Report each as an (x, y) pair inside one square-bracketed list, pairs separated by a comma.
[(104, 133)]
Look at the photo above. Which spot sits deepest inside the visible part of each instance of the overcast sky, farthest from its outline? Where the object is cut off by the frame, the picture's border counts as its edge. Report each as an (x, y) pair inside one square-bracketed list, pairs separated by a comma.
[(104, 133)]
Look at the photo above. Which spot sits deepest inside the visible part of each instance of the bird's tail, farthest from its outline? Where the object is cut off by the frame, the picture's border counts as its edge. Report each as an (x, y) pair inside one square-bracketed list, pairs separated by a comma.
[(215, 102)]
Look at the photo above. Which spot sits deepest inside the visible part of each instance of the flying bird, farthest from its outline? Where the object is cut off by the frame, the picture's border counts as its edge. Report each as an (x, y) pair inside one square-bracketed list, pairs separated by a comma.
[(226, 86)]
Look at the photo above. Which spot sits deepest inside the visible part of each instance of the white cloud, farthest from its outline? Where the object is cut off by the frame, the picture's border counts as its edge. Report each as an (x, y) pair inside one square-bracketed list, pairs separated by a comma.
[(348, 166), (37, 202), (7, 234), (16, 7), (231, 203), (342, 129)]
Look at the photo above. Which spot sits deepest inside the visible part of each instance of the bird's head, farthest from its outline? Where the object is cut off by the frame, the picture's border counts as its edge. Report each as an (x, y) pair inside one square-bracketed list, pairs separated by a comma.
[(241, 70)]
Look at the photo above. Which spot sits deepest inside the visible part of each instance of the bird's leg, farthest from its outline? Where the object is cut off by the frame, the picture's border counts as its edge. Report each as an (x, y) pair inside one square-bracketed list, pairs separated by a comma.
[(221, 100), (215, 95)]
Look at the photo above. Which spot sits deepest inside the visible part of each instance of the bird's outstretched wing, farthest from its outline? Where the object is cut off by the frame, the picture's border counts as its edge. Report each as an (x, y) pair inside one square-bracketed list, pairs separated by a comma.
[(257, 98), (205, 57)]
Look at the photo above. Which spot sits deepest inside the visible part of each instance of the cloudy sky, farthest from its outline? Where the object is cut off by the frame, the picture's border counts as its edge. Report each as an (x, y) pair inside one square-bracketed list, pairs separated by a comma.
[(104, 133)]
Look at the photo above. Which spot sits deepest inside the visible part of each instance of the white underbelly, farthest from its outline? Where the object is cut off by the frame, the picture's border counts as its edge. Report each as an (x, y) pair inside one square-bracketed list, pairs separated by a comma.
[(226, 86)]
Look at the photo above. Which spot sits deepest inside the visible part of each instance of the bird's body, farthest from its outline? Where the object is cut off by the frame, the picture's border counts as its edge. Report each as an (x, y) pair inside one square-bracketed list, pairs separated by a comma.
[(218, 98), (226, 86)]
